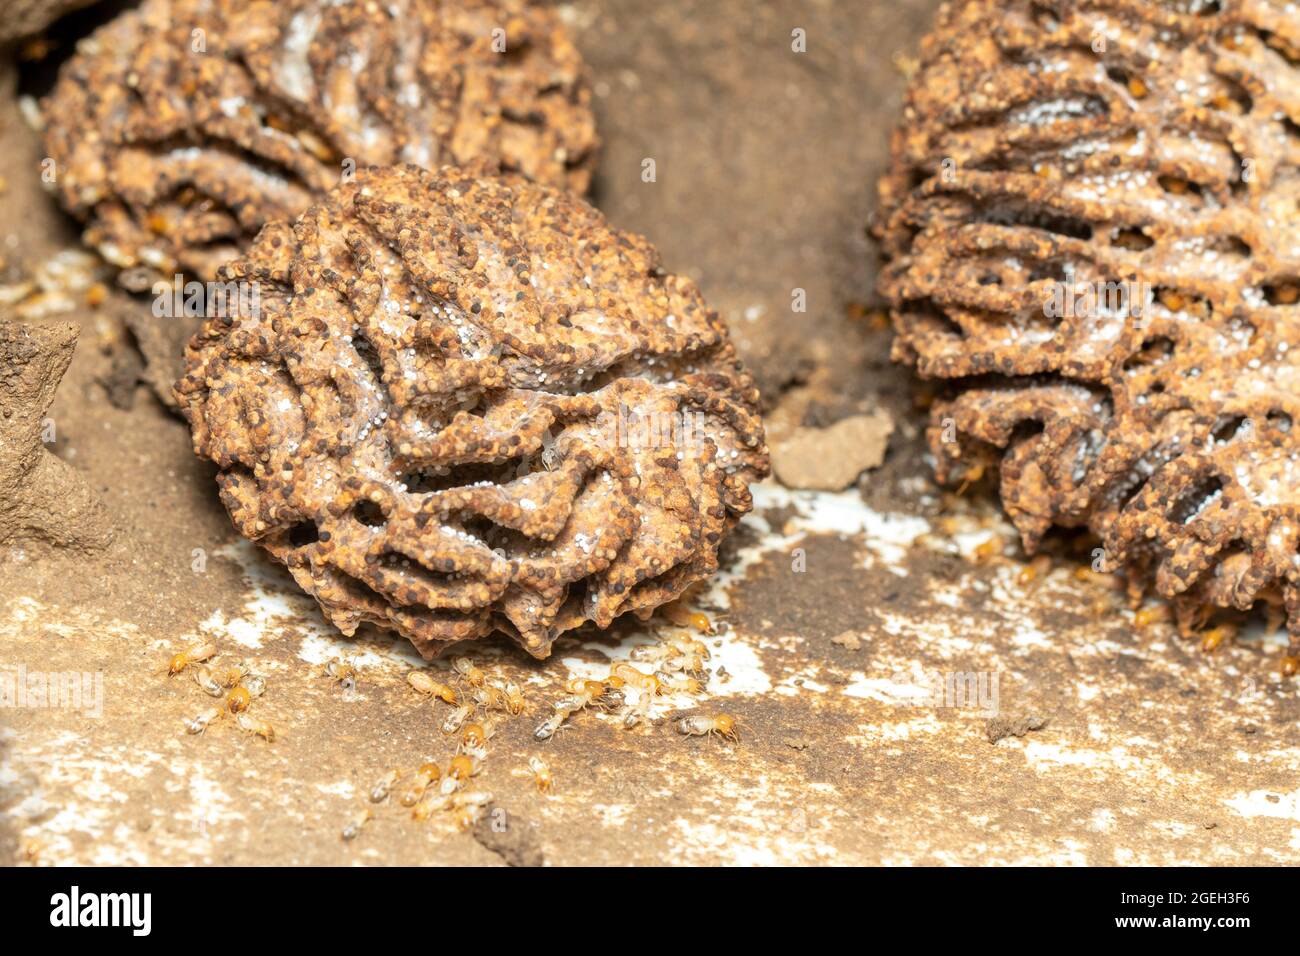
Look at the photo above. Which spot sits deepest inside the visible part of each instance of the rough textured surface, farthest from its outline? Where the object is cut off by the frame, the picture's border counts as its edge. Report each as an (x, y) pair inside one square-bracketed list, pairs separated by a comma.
[(43, 500), (1048, 150), (1153, 752), (181, 128), (462, 406)]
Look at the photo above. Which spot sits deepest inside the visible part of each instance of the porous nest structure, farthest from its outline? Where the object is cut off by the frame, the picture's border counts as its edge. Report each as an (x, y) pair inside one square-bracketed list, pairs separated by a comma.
[(462, 405), (1092, 237), (180, 128)]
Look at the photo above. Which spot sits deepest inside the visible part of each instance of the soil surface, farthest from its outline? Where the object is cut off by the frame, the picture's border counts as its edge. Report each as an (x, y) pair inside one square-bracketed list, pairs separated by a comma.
[(908, 688)]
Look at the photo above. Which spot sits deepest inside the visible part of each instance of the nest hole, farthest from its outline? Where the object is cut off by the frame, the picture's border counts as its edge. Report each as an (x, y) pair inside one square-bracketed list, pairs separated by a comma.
[(369, 514), (1283, 292), (1153, 351), (1132, 238), (1196, 499), (303, 534)]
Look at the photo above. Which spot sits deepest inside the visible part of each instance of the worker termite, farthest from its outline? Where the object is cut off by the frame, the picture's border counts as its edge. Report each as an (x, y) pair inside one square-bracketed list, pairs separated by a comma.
[(379, 792), (684, 685), (352, 829), (461, 768), (1034, 572), (202, 720), (514, 699), (256, 726), (682, 664), (209, 684), (425, 777), (1156, 614), (231, 675), (474, 737), (422, 683), (646, 683), (471, 674), (470, 807), (541, 774), (699, 725), (653, 653), (552, 725), (254, 684), (1290, 666), (688, 645), (456, 719), (588, 693), (683, 616), (1216, 636), (491, 697), (238, 700), (988, 549), (431, 804), (467, 816), (193, 655), (345, 672)]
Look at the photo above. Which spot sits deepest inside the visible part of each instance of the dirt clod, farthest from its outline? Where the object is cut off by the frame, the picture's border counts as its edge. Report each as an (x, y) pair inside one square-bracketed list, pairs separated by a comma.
[(999, 727), (43, 499)]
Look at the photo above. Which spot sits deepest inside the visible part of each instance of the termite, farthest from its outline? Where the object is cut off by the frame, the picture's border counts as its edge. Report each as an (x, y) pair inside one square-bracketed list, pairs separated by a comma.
[(254, 684), (490, 697), (256, 726), (1216, 636), (722, 725), (352, 829), (1037, 569), (379, 792), (342, 671), (466, 669), (193, 655), (422, 683), (202, 720), (456, 719), (230, 676), (209, 684), (425, 776), (541, 774), (475, 736)]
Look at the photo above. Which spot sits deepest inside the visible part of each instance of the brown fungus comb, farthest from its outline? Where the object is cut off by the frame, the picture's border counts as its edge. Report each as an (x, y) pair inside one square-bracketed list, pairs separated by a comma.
[(1092, 235), (460, 405), (181, 128)]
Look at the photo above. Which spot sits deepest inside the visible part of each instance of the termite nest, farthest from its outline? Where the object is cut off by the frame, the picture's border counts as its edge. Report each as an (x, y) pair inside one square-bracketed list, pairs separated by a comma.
[(463, 405), (181, 127), (1088, 225)]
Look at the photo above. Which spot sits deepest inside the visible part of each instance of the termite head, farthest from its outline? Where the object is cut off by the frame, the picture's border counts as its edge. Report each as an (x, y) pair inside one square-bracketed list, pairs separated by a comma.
[(238, 700)]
